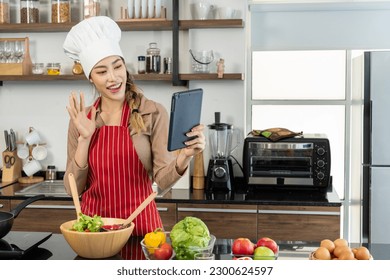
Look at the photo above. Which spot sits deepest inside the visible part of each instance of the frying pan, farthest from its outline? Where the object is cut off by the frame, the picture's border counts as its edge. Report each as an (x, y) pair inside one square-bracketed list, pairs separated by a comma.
[(7, 218)]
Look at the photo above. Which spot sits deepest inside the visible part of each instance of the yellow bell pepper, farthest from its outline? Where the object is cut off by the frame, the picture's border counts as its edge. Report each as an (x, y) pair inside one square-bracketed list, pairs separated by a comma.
[(154, 239)]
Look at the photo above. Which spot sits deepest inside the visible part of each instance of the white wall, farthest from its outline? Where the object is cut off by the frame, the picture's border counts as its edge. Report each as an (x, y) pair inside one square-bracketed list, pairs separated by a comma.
[(42, 105)]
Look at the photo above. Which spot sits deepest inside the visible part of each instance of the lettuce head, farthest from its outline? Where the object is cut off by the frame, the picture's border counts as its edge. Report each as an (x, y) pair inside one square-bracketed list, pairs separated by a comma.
[(188, 236)]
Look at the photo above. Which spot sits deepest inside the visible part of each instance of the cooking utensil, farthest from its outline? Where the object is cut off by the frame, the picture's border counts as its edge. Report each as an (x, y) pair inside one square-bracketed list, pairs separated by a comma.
[(7, 218), (12, 140), (133, 215), (6, 137), (75, 196)]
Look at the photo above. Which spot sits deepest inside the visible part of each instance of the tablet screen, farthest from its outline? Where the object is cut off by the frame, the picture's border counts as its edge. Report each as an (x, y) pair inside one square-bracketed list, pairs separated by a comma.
[(186, 107)]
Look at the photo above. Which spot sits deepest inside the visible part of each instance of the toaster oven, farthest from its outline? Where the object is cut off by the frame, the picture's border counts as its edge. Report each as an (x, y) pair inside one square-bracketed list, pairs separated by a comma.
[(298, 162)]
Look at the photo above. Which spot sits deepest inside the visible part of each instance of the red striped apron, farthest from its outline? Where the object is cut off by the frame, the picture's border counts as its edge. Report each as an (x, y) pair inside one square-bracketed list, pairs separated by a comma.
[(118, 181)]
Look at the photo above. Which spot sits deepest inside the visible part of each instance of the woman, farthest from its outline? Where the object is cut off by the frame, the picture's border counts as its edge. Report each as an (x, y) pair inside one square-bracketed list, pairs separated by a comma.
[(118, 146)]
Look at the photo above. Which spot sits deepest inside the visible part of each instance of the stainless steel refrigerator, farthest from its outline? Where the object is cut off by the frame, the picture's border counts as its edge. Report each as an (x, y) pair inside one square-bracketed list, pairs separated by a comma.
[(376, 147)]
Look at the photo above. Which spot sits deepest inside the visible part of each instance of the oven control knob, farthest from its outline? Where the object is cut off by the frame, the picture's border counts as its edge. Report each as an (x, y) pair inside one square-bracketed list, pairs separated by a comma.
[(320, 175), (321, 163), (321, 151), (219, 172)]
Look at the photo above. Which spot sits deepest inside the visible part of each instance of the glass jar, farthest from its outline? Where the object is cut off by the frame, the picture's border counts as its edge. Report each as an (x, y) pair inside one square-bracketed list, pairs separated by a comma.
[(29, 11), (60, 11), (37, 68), (53, 69), (77, 68), (141, 64), (168, 65), (153, 59), (91, 8), (51, 173), (4, 11)]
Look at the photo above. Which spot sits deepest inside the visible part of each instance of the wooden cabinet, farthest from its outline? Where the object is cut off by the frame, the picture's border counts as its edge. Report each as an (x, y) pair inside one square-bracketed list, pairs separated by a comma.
[(168, 214), (43, 215), (223, 220), (298, 223)]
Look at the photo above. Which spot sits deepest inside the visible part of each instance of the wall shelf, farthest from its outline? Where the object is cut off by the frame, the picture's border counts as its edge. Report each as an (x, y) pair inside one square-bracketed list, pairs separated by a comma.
[(137, 77), (125, 25)]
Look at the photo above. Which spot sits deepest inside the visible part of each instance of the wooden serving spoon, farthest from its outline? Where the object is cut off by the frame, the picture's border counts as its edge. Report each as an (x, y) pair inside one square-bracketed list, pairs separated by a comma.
[(75, 195), (133, 215)]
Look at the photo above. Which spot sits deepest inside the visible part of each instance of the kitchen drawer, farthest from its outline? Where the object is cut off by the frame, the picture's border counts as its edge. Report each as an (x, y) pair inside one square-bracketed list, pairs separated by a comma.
[(299, 223), (223, 220), (168, 214), (43, 215), (5, 205)]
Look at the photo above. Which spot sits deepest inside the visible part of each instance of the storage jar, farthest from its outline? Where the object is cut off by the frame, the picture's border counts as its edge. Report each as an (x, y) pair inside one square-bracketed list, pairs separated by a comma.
[(29, 11), (53, 68), (153, 59), (141, 64), (60, 11), (4, 11), (91, 8), (37, 68)]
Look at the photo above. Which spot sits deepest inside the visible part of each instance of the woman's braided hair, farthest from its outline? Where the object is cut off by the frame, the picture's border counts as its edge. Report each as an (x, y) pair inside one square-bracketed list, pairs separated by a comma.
[(133, 97)]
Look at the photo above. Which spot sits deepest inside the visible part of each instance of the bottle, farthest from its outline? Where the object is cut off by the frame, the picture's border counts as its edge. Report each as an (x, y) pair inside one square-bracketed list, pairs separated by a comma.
[(91, 8), (141, 64), (153, 59), (77, 68), (51, 173), (60, 11), (29, 11), (168, 65), (4, 11)]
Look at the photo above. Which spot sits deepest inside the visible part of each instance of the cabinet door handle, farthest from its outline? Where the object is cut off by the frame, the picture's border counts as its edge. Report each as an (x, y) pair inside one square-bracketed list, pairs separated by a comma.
[(1, 206), (162, 209), (288, 212), (217, 210), (51, 207)]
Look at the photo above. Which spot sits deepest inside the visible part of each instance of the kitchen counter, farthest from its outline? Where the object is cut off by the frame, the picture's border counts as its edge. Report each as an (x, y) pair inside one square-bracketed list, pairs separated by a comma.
[(56, 248), (241, 195)]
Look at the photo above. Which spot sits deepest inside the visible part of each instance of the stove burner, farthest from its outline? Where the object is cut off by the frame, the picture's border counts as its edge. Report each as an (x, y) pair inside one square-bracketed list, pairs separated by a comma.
[(26, 243)]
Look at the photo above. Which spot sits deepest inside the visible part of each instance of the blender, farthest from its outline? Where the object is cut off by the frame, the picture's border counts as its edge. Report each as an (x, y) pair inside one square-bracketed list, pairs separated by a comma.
[(220, 170)]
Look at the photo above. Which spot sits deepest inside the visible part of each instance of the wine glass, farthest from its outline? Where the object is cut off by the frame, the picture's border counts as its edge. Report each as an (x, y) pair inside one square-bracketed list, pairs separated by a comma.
[(19, 51), (2, 46), (9, 51)]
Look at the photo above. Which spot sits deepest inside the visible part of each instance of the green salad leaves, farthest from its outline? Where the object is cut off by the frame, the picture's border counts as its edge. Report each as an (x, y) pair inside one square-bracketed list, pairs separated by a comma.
[(87, 223), (188, 236)]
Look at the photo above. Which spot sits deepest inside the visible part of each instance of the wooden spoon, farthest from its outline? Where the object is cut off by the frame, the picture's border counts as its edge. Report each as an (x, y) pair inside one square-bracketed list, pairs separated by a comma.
[(75, 195), (133, 215)]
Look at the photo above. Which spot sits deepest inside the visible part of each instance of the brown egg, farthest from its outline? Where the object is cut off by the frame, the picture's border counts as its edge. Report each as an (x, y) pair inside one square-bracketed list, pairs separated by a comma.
[(362, 253), (339, 250), (346, 255), (322, 253), (328, 244), (340, 242)]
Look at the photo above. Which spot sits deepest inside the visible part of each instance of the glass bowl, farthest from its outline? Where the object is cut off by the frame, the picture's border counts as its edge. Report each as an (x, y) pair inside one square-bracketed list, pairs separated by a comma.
[(149, 251), (188, 252)]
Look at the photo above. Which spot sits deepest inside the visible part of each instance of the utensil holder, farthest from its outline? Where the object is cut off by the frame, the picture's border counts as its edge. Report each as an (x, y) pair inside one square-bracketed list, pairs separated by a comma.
[(13, 172), (21, 68)]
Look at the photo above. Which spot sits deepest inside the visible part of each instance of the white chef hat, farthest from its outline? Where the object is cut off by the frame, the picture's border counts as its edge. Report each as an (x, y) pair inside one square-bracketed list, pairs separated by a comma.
[(91, 40)]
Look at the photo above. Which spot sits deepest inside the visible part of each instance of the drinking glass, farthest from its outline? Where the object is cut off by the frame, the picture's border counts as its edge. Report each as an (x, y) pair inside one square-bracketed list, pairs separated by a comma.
[(205, 256), (9, 51), (2, 47), (19, 51)]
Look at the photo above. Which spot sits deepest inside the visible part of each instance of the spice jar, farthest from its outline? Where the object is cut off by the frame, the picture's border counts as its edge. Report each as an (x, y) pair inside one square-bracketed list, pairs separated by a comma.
[(141, 64), (29, 11), (153, 59), (53, 68), (168, 65), (51, 173), (60, 11), (91, 8), (4, 11), (37, 68), (77, 68)]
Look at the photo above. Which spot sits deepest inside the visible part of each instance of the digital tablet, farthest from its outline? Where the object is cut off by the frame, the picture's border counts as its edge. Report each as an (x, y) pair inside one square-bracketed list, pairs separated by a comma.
[(186, 107)]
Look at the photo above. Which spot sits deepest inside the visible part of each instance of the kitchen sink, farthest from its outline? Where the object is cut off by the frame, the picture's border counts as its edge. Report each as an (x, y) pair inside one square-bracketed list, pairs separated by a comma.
[(48, 188), (57, 188)]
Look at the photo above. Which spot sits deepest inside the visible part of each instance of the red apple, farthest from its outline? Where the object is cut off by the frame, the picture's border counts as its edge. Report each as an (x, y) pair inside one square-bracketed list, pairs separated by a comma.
[(268, 242), (243, 246), (164, 252)]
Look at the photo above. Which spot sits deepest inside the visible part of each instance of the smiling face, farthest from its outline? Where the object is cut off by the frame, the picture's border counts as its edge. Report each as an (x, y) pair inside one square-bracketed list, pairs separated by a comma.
[(109, 77)]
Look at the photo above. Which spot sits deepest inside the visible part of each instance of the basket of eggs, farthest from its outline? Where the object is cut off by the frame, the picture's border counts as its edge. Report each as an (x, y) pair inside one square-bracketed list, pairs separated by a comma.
[(339, 249)]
